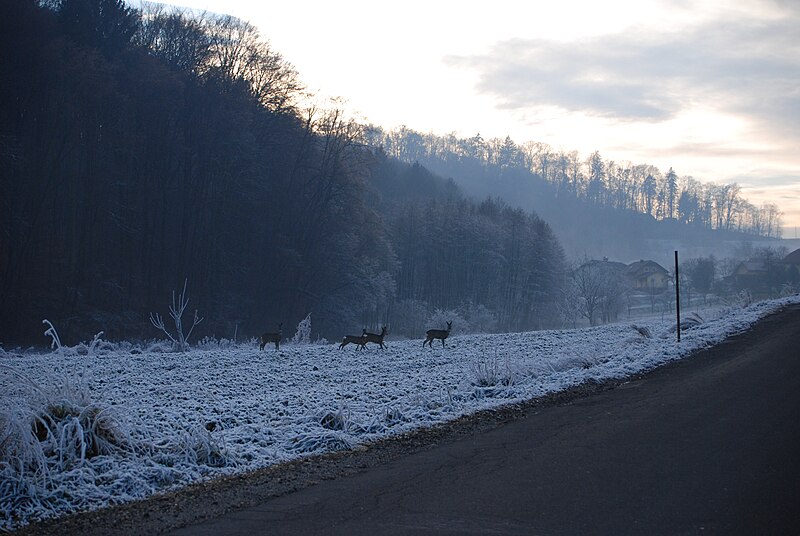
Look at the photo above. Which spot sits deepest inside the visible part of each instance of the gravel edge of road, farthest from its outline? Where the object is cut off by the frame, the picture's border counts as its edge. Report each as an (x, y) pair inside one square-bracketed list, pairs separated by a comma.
[(210, 499)]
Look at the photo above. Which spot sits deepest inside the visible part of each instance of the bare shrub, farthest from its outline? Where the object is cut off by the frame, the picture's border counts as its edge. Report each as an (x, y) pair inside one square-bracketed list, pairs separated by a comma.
[(176, 310), (303, 334), (691, 321), (490, 373), (643, 331), (307, 443), (50, 430)]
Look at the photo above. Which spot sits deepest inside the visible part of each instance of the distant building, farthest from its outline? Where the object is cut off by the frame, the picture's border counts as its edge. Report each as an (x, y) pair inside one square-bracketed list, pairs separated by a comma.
[(751, 268), (792, 264), (640, 275), (793, 258), (751, 274), (647, 275), (606, 287), (605, 264)]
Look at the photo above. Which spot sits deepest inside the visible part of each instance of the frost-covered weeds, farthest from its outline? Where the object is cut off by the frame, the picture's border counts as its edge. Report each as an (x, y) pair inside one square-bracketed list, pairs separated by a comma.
[(339, 429), (741, 300), (644, 331), (124, 421), (212, 343), (303, 334), (49, 434), (691, 321), (61, 449), (52, 333), (491, 372), (197, 445)]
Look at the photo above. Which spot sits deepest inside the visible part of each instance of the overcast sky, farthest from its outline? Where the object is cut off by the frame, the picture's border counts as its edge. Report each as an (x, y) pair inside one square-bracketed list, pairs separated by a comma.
[(710, 88)]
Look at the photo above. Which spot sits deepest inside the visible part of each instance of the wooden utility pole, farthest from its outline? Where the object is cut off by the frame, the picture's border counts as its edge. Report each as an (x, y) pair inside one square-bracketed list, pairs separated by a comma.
[(678, 296)]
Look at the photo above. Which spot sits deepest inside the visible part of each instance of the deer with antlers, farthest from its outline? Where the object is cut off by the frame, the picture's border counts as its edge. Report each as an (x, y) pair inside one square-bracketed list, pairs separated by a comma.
[(376, 338), (267, 338), (440, 334)]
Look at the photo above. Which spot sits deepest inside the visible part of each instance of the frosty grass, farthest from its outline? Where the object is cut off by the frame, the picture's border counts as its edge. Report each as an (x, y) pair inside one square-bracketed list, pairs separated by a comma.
[(100, 424)]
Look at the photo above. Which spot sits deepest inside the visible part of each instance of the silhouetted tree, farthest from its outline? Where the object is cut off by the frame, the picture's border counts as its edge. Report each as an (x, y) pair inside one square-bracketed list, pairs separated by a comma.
[(108, 25), (701, 273)]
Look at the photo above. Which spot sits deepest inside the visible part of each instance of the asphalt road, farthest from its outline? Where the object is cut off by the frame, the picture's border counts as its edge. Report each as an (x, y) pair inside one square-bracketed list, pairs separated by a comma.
[(710, 445)]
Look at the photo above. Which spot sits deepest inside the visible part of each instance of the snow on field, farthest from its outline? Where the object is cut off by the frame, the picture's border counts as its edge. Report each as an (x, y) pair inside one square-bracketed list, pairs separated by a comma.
[(87, 427)]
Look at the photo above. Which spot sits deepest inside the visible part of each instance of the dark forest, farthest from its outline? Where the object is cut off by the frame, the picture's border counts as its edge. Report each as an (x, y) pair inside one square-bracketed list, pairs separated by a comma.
[(142, 150)]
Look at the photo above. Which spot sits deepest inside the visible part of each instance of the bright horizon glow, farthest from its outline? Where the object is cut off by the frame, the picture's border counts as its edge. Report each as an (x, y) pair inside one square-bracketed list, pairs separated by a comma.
[(708, 88)]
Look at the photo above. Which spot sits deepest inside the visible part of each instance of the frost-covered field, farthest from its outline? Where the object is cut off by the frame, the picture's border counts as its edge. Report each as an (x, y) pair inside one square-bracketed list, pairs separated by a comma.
[(93, 426)]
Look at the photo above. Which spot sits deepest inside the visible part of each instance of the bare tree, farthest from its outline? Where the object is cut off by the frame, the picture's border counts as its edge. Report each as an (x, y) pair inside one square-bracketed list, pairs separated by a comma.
[(176, 310), (569, 306), (239, 52), (589, 286), (176, 37), (701, 272), (614, 293), (599, 288)]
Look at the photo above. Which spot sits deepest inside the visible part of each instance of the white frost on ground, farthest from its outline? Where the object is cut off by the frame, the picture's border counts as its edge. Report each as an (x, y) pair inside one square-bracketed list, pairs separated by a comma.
[(121, 423)]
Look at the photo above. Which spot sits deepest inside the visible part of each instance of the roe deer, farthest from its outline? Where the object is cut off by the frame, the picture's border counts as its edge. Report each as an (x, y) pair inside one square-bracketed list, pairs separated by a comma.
[(436, 334), (359, 340), (273, 337), (374, 337)]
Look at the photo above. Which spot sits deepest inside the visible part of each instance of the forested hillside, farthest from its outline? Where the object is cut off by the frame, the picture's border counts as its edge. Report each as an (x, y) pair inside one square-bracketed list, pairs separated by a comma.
[(597, 207), (141, 150)]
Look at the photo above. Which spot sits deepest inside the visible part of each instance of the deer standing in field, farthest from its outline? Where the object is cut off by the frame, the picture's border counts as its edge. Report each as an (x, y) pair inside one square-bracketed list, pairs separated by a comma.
[(359, 340), (273, 337), (441, 334), (374, 337)]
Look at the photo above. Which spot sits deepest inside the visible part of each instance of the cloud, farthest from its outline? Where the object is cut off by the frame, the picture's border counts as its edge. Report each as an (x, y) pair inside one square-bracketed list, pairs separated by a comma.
[(784, 185), (784, 195), (744, 66)]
